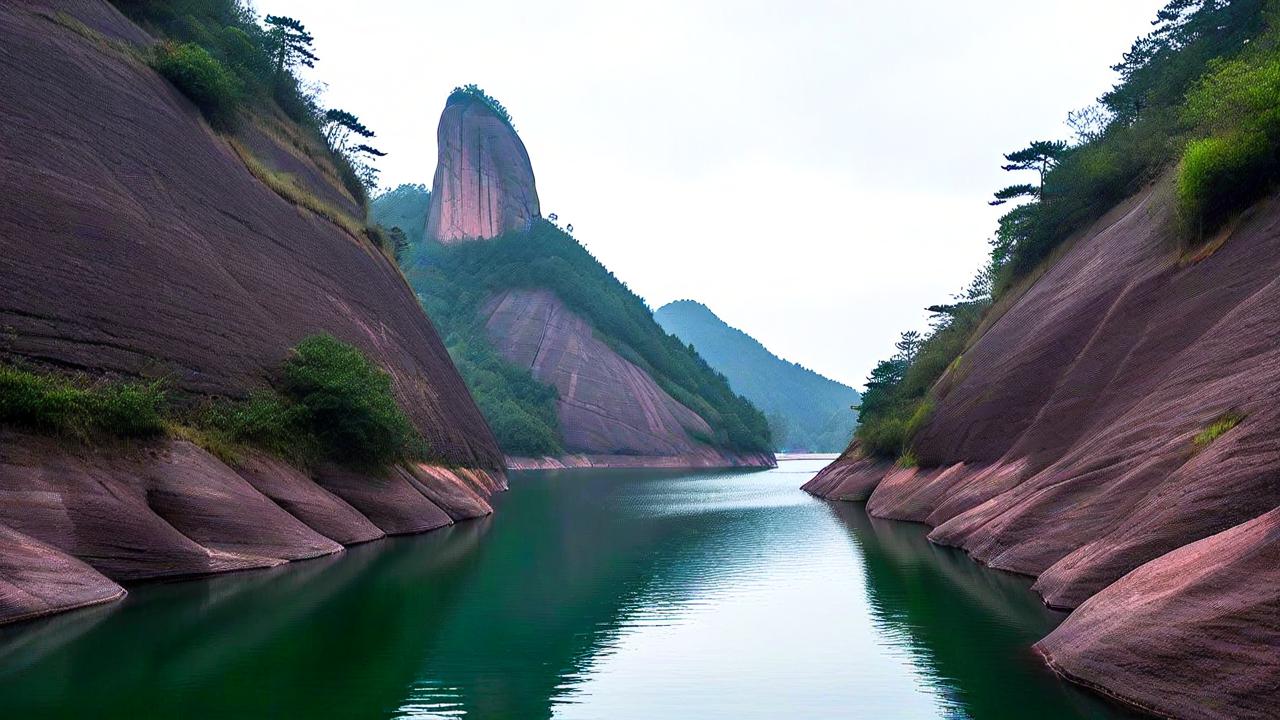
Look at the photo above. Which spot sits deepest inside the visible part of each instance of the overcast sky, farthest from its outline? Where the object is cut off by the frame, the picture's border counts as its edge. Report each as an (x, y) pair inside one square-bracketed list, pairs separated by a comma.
[(815, 171)]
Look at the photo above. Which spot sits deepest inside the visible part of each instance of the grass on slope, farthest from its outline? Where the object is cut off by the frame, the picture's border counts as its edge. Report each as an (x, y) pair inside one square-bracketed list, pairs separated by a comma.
[(333, 403)]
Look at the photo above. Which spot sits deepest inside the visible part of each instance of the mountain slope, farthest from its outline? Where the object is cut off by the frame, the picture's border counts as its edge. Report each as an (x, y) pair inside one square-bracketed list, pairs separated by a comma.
[(807, 411), (137, 243), (566, 363)]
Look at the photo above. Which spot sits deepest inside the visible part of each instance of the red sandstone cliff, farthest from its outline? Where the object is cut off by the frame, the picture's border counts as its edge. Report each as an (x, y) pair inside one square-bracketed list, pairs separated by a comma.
[(135, 243), (483, 185), (611, 412), (1061, 447)]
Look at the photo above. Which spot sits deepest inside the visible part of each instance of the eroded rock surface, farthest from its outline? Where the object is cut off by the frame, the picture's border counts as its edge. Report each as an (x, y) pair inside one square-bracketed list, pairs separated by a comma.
[(135, 243), (608, 406), (170, 509), (483, 185), (1210, 600), (1061, 446)]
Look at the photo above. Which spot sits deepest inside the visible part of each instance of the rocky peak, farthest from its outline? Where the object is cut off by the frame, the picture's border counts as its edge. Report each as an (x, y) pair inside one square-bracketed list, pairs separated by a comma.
[(484, 184)]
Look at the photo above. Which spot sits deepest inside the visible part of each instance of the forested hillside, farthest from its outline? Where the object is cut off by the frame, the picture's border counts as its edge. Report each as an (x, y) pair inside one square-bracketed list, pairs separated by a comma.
[(807, 412)]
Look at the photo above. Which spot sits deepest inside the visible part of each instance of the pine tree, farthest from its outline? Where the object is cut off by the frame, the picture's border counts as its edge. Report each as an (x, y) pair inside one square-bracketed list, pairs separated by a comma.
[(289, 44)]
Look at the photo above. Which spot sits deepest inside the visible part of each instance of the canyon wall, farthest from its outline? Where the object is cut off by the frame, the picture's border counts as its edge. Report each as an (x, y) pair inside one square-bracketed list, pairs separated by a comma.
[(483, 185), (1063, 445), (135, 243), (612, 413)]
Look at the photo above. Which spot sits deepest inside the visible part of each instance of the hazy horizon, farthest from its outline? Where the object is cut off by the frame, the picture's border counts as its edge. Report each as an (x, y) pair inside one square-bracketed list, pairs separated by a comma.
[(816, 174)]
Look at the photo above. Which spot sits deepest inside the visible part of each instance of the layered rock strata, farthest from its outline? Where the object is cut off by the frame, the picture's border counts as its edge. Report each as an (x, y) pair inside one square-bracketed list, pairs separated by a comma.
[(1063, 446)]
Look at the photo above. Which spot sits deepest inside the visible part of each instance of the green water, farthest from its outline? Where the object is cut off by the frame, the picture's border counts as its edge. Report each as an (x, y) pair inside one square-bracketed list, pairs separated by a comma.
[(606, 595)]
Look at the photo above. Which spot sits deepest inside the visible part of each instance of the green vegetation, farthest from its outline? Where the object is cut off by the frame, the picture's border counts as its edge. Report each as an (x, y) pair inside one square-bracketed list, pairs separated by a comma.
[(209, 84), (1215, 430), (454, 282), (1201, 87), (896, 402), (76, 406), (333, 404), (1201, 91), (1237, 107), (230, 65), (806, 411), (474, 91), (404, 207), (346, 402), (290, 188)]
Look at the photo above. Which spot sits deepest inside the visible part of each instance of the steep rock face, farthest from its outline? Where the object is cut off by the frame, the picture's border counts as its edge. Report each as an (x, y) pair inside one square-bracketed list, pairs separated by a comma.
[(1061, 446), (483, 185), (608, 406), (139, 244), (135, 243)]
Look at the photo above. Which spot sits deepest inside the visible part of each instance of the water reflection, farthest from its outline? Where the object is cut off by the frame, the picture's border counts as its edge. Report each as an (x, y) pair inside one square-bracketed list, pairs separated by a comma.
[(590, 595), (968, 628)]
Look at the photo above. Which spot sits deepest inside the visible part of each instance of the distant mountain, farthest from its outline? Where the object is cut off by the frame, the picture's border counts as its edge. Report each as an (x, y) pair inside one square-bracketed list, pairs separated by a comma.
[(806, 410)]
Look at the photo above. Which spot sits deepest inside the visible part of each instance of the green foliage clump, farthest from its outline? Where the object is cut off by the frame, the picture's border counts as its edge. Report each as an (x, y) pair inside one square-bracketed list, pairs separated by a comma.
[(1145, 122), (204, 80), (1216, 429), (346, 403), (475, 91), (897, 403), (266, 420), (61, 404), (333, 403), (1237, 106), (454, 282)]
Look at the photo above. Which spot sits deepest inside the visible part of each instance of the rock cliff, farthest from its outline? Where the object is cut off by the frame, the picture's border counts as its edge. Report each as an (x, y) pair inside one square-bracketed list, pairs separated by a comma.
[(134, 242), (611, 412), (1063, 445), (512, 295), (483, 185)]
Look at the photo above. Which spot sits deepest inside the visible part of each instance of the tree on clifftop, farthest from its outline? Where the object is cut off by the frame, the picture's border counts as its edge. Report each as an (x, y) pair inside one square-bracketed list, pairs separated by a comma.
[(1041, 156), (290, 45)]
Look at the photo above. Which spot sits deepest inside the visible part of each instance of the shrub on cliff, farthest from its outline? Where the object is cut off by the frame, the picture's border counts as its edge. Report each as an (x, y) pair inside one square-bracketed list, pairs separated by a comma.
[(347, 404), (1237, 105), (475, 91), (333, 404), (204, 80), (47, 402)]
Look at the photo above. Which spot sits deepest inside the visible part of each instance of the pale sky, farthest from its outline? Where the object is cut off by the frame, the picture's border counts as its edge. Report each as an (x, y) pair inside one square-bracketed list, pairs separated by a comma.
[(814, 171)]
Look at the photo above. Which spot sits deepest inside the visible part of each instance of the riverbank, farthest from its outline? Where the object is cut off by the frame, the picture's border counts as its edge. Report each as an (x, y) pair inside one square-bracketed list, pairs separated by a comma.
[(623, 594), (78, 523)]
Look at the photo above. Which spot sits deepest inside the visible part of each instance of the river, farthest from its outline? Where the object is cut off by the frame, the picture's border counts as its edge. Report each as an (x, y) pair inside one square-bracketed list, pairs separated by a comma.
[(590, 594)]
